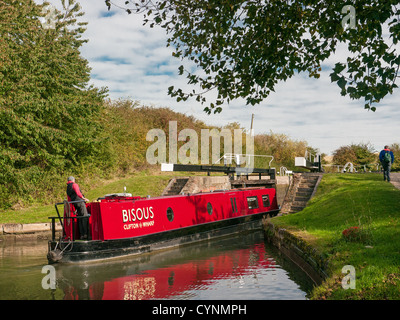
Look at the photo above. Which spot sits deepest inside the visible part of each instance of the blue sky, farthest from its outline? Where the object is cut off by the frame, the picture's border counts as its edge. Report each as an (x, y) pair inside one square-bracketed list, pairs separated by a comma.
[(133, 61)]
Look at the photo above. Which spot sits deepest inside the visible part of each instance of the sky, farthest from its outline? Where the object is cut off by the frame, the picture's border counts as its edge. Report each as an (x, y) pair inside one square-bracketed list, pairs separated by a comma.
[(133, 62)]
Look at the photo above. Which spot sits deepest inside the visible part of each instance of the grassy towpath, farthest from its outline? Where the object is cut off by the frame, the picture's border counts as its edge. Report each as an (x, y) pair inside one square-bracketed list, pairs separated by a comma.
[(342, 202)]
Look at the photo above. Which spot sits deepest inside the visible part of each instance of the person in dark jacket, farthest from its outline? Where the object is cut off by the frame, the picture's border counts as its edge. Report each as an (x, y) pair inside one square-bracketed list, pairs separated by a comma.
[(386, 157), (75, 194)]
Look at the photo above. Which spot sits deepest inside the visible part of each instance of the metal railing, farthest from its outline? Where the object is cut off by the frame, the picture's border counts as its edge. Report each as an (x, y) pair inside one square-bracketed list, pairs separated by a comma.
[(350, 167), (228, 157)]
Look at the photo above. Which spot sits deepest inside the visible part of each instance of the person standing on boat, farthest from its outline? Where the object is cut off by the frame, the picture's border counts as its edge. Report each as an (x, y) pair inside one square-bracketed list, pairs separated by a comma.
[(386, 158), (74, 194)]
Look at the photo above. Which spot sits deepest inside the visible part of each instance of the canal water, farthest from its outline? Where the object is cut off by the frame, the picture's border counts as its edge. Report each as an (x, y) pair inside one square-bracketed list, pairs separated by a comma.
[(241, 267)]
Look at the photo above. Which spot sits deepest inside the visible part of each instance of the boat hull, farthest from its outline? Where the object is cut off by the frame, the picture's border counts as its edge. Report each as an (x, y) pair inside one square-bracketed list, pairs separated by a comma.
[(83, 251)]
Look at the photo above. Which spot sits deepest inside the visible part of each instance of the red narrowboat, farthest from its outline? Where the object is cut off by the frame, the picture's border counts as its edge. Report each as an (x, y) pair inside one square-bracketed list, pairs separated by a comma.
[(121, 224)]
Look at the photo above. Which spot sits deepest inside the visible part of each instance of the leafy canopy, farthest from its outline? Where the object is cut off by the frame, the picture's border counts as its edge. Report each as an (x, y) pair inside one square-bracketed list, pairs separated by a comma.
[(48, 112), (46, 106), (358, 154), (242, 49)]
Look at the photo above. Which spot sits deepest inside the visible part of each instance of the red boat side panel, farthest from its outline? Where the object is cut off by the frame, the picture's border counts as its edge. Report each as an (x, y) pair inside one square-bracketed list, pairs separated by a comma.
[(126, 218), (96, 226)]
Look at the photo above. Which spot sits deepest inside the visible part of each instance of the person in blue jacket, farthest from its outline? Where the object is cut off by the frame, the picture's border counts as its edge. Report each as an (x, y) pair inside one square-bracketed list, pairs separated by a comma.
[(386, 158)]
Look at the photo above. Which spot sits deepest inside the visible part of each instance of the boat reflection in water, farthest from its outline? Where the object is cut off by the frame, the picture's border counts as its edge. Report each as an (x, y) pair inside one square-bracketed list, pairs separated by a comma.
[(232, 268)]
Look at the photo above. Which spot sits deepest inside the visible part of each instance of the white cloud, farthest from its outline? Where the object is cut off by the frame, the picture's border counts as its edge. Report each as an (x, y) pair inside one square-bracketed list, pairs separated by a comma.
[(133, 62)]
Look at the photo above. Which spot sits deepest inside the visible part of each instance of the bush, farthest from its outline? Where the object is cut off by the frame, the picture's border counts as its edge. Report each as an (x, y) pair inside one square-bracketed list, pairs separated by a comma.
[(358, 154), (281, 147)]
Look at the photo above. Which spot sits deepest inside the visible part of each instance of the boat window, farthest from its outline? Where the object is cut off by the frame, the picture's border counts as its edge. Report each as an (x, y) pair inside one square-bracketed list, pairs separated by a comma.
[(170, 214), (233, 203), (265, 200), (252, 202), (209, 209)]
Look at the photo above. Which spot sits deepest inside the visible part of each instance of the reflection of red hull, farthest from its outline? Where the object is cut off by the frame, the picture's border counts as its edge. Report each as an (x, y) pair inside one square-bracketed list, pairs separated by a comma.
[(130, 225), (174, 280)]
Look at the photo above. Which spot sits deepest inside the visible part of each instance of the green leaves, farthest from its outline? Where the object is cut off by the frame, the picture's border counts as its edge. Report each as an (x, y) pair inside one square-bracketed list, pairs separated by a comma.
[(48, 114), (242, 49), (339, 67), (358, 154)]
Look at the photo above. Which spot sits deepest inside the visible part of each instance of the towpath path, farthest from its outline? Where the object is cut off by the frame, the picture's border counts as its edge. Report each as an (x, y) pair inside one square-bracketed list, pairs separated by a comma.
[(395, 179)]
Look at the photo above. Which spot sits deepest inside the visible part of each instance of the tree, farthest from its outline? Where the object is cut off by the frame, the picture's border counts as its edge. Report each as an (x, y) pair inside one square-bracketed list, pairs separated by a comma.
[(47, 110), (358, 154), (365, 153), (48, 113), (242, 49), (281, 147), (343, 155), (395, 147)]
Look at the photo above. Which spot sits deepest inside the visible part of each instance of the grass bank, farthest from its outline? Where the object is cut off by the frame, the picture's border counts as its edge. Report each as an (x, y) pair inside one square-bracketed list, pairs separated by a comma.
[(344, 201)]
